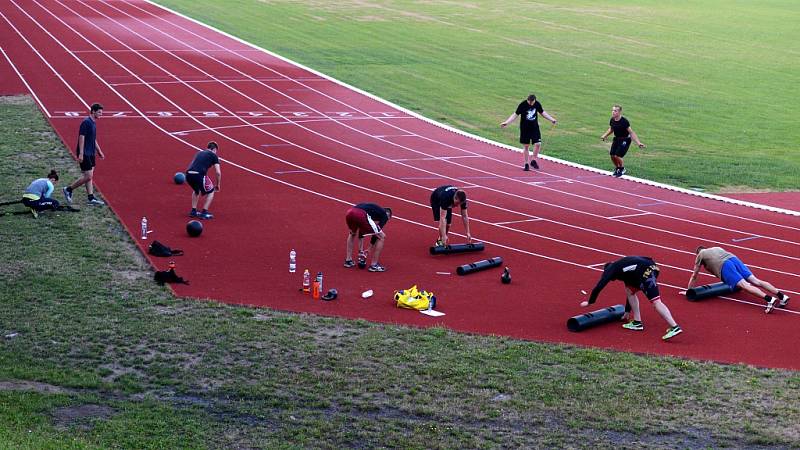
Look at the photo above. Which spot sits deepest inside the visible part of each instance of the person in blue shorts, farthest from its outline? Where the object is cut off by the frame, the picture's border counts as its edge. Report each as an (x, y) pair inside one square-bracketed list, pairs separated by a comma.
[(37, 196), (85, 151), (732, 271)]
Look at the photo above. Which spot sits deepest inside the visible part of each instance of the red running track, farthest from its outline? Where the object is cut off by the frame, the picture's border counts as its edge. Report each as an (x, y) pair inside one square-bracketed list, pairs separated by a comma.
[(299, 148)]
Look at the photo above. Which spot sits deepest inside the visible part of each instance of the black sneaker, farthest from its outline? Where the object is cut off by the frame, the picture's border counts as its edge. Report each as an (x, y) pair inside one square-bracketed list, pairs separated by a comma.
[(349, 263), (616, 172), (527, 168), (67, 194), (194, 214), (621, 171), (205, 215), (534, 164)]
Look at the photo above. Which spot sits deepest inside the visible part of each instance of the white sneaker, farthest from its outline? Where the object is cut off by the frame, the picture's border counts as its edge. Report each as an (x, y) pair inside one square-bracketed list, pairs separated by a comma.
[(784, 301), (95, 201)]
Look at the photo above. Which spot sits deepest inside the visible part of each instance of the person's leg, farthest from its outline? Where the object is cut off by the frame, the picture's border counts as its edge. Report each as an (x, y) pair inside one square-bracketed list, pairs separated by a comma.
[(86, 175), (750, 289), (633, 300), (351, 237), (526, 153), (89, 184), (536, 147), (662, 310), (195, 199), (762, 284), (376, 251), (209, 199)]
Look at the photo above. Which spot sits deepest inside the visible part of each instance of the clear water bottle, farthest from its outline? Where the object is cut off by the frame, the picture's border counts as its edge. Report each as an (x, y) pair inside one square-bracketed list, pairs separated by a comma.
[(306, 281), (292, 261), (144, 227)]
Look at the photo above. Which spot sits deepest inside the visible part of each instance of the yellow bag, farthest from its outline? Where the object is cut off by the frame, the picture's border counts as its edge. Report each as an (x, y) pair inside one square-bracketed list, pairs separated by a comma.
[(413, 298)]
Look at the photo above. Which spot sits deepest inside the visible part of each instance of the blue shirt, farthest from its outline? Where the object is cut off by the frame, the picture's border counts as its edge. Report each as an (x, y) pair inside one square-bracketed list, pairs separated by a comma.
[(41, 188), (89, 133)]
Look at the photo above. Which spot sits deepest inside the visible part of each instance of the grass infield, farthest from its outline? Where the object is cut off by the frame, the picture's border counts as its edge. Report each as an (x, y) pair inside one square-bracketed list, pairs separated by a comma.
[(705, 84), (93, 354)]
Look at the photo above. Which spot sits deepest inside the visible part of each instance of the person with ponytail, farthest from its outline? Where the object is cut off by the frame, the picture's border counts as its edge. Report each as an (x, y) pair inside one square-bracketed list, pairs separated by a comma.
[(37, 196)]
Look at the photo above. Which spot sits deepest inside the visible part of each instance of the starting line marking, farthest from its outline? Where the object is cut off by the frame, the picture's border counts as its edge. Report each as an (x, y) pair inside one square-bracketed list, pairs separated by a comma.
[(745, 238), (630, 215)]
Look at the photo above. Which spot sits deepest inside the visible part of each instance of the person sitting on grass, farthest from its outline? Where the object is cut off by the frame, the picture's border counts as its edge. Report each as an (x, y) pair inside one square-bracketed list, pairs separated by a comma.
[(730, 269), (639, 273), (37, 195)]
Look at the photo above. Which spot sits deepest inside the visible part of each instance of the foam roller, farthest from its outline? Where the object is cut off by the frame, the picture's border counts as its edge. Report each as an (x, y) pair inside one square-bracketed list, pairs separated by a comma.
[(708, 290), (594, 318), (477, 266), (456, 248)]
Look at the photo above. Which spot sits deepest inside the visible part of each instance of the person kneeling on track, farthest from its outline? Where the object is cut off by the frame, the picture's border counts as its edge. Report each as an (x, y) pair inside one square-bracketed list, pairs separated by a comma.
[(366, 219), (37, 195), (730, 269), (638, 273)]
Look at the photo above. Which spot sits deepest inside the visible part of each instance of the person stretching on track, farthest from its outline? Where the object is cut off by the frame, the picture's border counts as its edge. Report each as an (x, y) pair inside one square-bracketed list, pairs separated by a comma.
[(638, 273), (730, 269), (363, 219), (196, 175), (443, 199)]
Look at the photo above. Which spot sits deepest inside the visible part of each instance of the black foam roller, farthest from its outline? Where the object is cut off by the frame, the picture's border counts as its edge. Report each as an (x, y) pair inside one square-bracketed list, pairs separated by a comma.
[(477, 266), (708, 290), (456, 248), (590, 319)]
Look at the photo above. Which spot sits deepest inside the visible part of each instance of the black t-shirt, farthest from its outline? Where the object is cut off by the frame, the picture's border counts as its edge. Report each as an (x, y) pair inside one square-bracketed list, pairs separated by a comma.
[(620, 127), (203, 161), (443, 196), (377, 213), (529, 114), (631, 270)]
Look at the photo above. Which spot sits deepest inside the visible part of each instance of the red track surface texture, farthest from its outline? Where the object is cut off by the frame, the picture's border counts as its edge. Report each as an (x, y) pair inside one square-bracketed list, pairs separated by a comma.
[(299, 148)]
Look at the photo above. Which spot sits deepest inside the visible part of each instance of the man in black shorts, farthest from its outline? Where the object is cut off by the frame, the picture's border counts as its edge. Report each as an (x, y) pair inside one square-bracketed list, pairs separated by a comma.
[(529, 111), (639, 273), (85, 151), (363, 219), (443, 199), (623, 133), (196, 175)]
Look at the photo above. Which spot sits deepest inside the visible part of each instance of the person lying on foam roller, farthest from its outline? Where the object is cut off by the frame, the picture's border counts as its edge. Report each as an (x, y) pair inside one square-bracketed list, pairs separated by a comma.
[(730, 269), (638, 273)]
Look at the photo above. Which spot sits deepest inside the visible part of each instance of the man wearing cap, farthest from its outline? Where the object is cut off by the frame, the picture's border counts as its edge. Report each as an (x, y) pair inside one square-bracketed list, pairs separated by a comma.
[(366, 219), (196, 175)]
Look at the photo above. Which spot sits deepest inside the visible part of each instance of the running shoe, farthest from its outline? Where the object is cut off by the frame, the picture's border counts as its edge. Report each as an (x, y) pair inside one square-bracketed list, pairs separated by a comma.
[(784, 301), (534, 164), (377, 268), (194, 214), (67, 194), (615, 173), (95, 201), (35, 213), (349, 263), (672, 332), (622, 171), (205, 215), (770, 305), (527, 167), (634, 325)]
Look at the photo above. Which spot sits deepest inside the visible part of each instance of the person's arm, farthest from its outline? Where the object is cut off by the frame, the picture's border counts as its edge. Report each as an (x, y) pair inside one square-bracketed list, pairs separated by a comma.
[(218, 171), (465, 219), (549, 117), (510, 119), (606, 134), (50, 188), (695, 272), (99, 152), (81, 141), (635, 138), (600, 285)]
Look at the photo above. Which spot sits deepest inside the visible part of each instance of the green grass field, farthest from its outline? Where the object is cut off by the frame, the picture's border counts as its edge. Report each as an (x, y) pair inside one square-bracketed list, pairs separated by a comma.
[(708, 85), (93, 354)]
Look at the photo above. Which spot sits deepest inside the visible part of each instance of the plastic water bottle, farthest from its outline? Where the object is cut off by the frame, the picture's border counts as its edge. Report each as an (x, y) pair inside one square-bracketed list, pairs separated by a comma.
[(306, 281), (144, 227), (292, 261), (319, 280)]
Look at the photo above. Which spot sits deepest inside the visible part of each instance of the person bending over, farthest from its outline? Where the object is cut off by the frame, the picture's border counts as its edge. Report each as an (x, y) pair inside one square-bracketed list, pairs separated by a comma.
[(732, 271), (366, 219), (195, 178), (37, 196), (443, 199), (638, 273)]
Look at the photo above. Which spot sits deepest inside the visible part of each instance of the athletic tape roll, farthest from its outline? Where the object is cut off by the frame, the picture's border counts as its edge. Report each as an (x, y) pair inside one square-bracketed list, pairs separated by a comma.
[(594, 318), (477, 266), (456, 248), (708, 290)]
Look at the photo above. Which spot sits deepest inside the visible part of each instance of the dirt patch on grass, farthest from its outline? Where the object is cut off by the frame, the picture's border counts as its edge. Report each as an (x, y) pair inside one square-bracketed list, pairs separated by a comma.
[(34, 386), (81, 415), (16, 100)]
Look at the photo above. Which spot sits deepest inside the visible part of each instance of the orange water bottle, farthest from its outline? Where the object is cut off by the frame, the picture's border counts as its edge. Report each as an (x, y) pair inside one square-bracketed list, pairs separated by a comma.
[(315, 289)]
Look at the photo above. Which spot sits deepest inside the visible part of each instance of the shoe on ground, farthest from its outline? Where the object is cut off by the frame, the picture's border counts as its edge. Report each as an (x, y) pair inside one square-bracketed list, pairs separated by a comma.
[(616, 172), (194, 214), (634, 325), (349, 263), (771, 305), (377, 268), (672, 332), (95, 201), (527, 167), (67, 194), (534, 164), (784, 301), (622, 171), (438, 243), (35, 213), (205, 215)]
